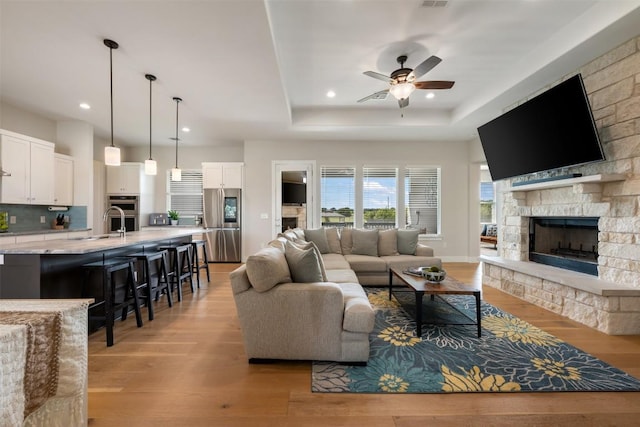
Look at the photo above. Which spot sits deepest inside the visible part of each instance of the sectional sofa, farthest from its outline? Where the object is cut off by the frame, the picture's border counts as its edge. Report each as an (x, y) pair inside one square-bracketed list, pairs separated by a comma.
[(301, 296)]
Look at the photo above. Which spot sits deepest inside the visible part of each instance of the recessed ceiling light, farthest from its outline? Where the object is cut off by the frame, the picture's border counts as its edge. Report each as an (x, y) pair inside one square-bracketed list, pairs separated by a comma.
[(430, 95), (85, 106), (186, 129), (331, 94)]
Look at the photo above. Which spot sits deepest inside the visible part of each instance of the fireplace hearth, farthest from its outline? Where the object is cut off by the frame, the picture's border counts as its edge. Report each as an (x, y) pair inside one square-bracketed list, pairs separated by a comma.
[(565, 242)]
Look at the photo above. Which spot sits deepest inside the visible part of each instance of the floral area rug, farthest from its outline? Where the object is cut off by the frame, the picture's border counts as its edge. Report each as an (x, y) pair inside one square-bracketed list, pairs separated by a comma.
[(511, 356)]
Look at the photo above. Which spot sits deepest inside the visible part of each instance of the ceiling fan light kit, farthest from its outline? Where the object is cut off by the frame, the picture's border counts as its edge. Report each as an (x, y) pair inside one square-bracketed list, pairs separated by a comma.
[(403, 81)]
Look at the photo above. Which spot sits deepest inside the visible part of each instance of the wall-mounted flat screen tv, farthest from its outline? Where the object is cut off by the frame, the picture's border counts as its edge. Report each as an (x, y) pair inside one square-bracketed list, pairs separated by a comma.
[(552, 130)]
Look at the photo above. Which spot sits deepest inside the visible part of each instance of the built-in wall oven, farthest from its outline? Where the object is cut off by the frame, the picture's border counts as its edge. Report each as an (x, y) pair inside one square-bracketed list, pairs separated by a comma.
[(130, 207)]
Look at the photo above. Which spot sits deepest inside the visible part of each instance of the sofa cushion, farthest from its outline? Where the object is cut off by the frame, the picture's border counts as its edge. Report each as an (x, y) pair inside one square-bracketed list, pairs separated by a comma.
[(358, 313), (304, 264), (299, 233), (360, 263), (346, 240), (345, 275), (388, 242), (267, 268), (279, 243), (365, 242), (319, 237), (335, 262), (407, 241), (333, 237), (403, 262)]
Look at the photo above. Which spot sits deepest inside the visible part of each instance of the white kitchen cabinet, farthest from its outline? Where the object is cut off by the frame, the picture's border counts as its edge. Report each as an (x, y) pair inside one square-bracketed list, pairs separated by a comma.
[(63, 182), (31, 165), (29, 238), (222, 175), (124, 179), (7, 240)]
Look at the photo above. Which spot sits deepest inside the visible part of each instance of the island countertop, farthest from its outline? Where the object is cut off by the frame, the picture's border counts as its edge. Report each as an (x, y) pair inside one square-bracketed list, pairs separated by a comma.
[(87, 245)]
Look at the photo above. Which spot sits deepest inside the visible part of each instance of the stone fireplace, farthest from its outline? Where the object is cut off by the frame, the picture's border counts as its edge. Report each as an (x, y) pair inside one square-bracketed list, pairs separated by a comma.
[(609, 298)]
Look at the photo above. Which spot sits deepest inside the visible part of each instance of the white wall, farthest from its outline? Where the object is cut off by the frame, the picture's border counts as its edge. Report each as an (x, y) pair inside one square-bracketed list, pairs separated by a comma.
[(452, 157), (27, 123)]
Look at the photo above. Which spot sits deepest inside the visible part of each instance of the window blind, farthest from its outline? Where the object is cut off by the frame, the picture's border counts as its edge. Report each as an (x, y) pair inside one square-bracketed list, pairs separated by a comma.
[(337, 195), (186, 196), (422, 198)]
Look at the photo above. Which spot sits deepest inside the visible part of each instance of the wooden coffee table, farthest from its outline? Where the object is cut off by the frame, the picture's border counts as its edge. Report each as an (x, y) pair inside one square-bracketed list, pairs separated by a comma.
[(449, 286)]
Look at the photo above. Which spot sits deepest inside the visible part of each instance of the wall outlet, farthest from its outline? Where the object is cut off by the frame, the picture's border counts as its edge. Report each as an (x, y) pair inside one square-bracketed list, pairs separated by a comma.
[(12, 219), (43, 219)]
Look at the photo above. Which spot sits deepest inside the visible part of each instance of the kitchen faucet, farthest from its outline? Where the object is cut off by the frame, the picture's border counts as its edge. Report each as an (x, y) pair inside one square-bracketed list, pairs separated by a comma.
[(122, 230)]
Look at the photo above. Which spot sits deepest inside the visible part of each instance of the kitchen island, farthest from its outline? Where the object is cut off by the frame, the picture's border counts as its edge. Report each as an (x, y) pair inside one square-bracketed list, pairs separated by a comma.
[(53, 268)]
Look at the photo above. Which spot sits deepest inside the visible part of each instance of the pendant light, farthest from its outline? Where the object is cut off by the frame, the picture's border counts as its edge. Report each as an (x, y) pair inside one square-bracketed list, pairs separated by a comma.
[(111, 153), (176, 173), (150, 165)]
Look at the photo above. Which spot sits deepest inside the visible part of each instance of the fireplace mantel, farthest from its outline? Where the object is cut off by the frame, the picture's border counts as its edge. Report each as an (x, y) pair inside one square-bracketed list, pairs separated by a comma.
[(590, 179)]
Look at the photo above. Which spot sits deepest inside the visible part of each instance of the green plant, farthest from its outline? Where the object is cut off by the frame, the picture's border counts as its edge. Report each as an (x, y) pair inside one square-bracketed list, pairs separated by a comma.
[(173, 214)]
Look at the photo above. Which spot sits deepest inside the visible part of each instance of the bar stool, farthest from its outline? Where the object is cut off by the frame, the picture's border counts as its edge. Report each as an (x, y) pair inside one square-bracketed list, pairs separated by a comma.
[(197, 265), (108, 268), (181, 266), (154, 289)]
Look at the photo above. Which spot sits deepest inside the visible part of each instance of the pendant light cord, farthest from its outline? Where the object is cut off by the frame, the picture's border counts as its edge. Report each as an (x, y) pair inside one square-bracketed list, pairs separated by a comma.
[(151, 79), (111, 88)]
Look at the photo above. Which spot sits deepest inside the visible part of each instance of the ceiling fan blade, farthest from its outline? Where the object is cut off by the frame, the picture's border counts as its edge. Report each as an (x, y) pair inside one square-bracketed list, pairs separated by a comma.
[(378, 76), (434, 84), (404, 102), (378, 95), (425, 66)]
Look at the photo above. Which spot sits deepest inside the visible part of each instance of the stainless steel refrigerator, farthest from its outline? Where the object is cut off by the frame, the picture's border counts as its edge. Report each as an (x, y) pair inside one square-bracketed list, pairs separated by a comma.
[(223, 224)]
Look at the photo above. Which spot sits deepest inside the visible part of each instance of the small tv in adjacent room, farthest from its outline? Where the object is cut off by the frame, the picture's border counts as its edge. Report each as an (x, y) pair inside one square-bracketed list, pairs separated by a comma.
[(550, 131), (294, 193)]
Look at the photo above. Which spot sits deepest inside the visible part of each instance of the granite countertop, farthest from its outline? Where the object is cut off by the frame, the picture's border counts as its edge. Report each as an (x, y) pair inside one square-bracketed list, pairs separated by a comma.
[(98, 243)]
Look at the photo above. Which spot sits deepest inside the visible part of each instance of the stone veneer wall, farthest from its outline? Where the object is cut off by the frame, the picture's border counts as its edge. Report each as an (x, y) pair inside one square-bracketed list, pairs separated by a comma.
[(612, 82)]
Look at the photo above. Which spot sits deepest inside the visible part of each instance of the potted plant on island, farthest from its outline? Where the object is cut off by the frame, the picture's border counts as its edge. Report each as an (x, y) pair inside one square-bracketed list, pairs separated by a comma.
[(173, 217)]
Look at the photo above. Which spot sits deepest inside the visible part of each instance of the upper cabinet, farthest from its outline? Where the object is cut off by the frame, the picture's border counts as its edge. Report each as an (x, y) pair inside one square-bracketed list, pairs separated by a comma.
[(124, 179), (222, 175), (63, 190), (31, 164)]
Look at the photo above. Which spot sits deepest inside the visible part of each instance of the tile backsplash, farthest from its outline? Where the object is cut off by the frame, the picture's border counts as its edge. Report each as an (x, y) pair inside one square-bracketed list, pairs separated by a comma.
[(28, 217)]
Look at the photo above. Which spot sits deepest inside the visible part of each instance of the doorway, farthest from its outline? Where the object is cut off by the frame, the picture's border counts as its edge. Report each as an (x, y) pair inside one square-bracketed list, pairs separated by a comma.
[(294, 195)]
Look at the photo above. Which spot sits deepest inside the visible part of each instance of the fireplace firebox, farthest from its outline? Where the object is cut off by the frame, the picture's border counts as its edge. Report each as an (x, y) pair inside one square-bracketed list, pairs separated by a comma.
[(565, 242)]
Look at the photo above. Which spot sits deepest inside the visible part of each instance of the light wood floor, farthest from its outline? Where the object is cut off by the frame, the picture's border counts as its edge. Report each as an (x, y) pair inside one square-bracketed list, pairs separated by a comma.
[(188, 368)]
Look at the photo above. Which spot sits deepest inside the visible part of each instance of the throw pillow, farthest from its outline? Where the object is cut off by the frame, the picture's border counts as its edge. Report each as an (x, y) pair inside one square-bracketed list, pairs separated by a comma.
[(304, 264), (267, 268), (492, 230), (346, 240), (388, 242), (484, 230), (333, 237), (308, 245), (319, 237), (408, 241), (299, 233), (365, 242)]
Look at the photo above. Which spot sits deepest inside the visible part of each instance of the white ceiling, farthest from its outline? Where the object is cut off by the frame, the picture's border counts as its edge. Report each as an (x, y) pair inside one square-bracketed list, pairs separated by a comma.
[(260, 70)]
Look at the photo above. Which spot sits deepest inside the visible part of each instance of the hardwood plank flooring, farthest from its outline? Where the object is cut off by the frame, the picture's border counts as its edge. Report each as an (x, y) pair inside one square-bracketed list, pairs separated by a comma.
[(188, 368)]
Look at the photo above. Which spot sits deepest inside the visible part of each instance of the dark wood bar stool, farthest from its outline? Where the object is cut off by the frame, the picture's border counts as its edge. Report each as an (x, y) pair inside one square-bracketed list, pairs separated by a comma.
[(197, 265), (110, 287), (181, 267), (154, 286)]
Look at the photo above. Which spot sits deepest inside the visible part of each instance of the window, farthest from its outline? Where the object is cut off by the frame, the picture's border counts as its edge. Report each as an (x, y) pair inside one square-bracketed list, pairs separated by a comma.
[(487, 203), (422, 198), (185, 196), (337, 190), (379, 196)]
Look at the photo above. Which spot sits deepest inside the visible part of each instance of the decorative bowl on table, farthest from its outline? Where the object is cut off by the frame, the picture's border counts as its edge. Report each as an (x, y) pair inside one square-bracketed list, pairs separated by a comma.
[(434, 274)]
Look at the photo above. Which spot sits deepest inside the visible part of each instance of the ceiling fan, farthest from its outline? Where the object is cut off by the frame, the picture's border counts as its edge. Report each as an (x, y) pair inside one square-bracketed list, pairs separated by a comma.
[(403, 81)]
